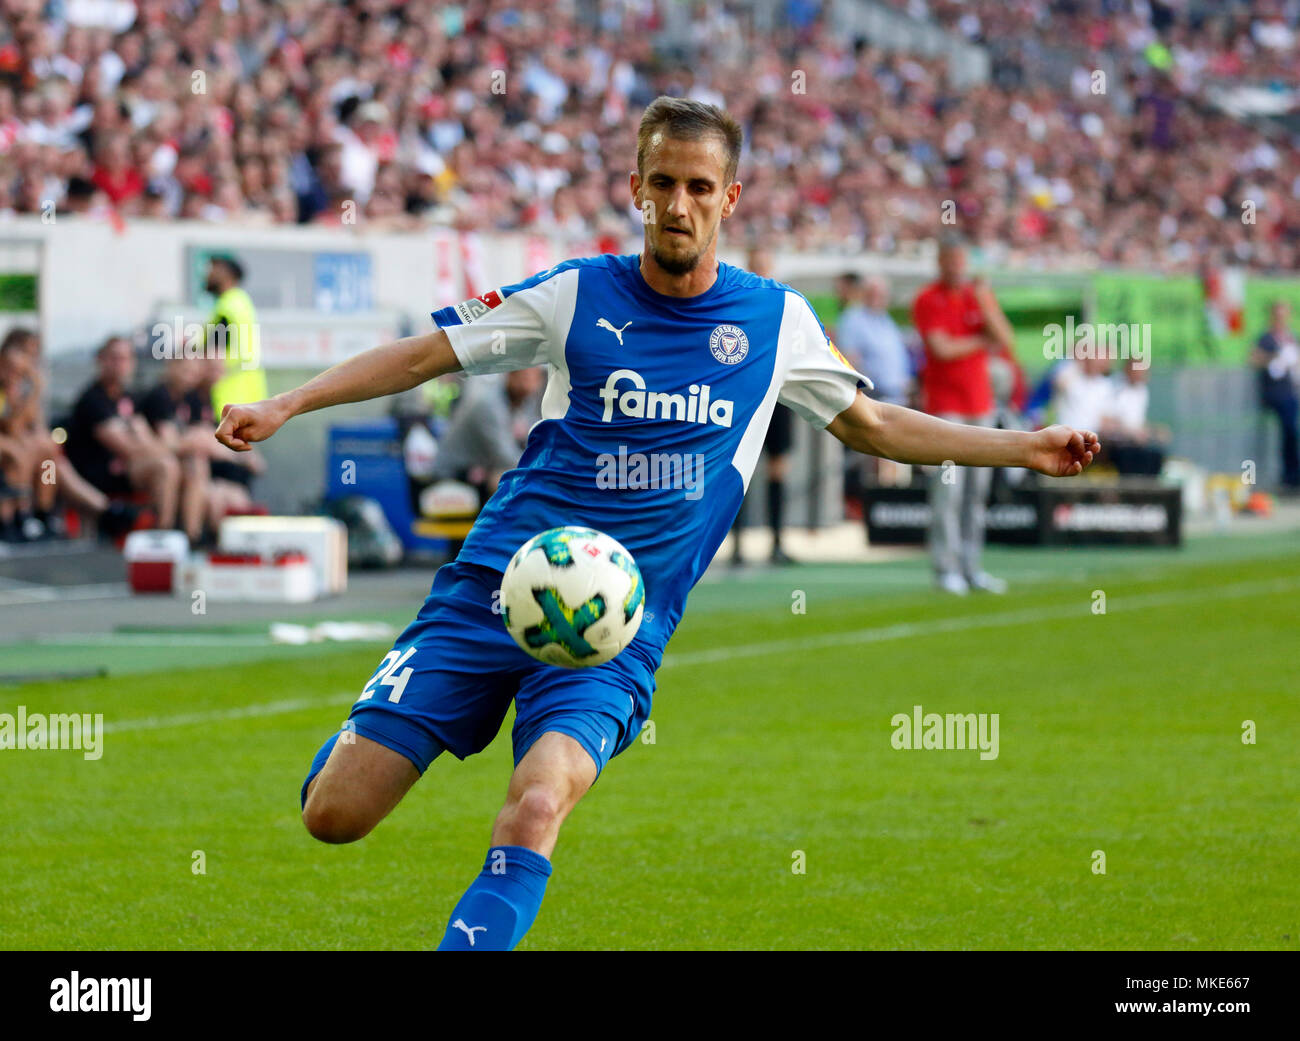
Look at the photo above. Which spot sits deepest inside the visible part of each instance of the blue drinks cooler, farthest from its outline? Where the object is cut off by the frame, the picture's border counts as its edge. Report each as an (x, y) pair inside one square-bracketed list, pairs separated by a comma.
[(378, 471)]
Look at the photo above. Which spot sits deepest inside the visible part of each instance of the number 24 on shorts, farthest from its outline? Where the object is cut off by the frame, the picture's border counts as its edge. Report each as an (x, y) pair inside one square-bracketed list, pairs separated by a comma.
[(388, 676)]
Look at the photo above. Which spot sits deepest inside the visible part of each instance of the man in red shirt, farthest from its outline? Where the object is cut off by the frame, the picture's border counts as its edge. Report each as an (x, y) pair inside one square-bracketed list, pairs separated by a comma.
[(115, 176), (961, 324)]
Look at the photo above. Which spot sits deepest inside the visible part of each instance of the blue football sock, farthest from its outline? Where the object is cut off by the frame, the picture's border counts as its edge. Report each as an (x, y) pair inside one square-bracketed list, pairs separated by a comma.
[(501, 904), (318, 763)]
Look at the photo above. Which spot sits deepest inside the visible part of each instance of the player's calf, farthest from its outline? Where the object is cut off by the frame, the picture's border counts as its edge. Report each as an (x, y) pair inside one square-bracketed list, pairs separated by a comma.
[(502, 903), (545, 787)]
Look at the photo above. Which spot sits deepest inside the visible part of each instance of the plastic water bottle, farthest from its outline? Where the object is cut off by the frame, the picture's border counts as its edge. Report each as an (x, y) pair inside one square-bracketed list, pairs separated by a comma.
[(1222, 508)]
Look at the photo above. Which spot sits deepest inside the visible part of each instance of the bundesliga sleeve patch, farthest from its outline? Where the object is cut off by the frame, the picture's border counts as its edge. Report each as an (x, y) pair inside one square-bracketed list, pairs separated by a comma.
[(476, 307)]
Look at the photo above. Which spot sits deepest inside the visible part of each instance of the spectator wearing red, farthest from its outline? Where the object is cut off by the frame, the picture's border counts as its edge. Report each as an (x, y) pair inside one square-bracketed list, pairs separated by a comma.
[(114, 174), (959, 323)]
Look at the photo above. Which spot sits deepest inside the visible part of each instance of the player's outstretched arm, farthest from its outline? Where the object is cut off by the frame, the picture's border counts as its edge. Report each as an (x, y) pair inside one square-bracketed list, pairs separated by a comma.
[(907, 436), (388, 369)]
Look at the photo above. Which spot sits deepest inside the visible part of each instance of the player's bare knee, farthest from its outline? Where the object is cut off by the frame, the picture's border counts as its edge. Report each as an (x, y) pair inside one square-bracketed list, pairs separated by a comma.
[(539, 806)]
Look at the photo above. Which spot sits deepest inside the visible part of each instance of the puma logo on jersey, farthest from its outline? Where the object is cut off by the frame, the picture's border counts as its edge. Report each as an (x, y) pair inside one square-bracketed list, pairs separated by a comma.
[(639, 403), (468, 930), (604, 323)]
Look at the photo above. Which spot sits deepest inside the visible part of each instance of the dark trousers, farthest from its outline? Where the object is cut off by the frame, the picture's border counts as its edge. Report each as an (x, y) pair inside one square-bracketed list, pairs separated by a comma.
[(1287, 409), (1135, 458)]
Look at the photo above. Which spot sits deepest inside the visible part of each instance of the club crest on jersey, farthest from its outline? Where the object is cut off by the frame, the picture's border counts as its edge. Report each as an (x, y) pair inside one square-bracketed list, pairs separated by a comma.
[(729, 344), (696, 406), (476, 307)]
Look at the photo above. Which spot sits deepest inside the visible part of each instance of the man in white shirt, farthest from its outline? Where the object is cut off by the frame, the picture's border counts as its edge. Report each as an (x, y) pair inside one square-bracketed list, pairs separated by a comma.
[(869, 337), (1134, 446), (1127, 412), (1081, 391)]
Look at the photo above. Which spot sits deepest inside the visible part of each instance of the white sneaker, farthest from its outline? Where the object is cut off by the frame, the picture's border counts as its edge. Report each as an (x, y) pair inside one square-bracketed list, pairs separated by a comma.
[(952, 583), (986, 583)]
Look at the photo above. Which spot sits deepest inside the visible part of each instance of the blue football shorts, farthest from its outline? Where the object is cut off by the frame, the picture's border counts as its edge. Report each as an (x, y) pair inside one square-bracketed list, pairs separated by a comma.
[(451, 675)]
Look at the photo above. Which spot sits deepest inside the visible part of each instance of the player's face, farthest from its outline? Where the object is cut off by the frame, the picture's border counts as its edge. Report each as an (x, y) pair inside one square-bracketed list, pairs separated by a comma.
[(684, 195)]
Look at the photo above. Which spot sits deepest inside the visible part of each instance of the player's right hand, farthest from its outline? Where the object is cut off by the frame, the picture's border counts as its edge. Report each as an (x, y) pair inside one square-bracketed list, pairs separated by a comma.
[(1061, 451), (241, 425)]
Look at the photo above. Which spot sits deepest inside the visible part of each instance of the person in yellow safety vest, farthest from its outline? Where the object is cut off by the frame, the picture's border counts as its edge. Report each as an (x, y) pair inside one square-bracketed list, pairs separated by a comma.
[(234, 324)]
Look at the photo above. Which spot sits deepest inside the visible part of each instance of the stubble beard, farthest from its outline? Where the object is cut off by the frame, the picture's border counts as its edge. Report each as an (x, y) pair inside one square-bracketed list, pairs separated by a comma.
[(678, 265)]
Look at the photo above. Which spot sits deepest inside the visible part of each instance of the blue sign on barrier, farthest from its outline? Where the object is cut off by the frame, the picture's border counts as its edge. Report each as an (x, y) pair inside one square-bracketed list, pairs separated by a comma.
[(342, 283), (365, 458)]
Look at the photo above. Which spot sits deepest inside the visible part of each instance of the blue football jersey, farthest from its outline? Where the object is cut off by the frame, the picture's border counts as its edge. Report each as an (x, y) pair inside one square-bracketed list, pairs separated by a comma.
[(654, 414)]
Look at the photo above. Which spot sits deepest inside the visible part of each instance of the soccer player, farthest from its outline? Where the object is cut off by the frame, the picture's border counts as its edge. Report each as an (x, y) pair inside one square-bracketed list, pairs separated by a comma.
[(665, 351)]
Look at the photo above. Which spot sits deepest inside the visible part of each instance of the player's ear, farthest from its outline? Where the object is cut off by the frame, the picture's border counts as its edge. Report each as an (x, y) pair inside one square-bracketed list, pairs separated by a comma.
[(732, 197)]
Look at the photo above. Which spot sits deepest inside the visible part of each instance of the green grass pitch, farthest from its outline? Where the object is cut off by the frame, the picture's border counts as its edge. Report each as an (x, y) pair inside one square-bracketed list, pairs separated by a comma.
[(1119, 732)]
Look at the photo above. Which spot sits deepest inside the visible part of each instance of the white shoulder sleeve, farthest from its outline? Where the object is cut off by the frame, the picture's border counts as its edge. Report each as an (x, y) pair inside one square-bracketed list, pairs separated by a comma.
[(819, 382), (512, 328)]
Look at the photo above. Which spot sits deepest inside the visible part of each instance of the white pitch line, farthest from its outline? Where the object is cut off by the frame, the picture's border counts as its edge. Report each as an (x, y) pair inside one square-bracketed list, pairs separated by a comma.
[(753, 650), (50, 594), (969, 622), (270, 708), (155, 640)]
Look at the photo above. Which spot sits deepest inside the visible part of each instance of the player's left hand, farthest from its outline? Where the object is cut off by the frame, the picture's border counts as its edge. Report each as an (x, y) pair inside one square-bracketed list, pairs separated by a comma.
[(1059, 451)]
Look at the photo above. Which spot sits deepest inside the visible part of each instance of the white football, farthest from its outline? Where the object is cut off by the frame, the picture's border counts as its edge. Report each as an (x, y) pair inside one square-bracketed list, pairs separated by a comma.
[(572, 597)]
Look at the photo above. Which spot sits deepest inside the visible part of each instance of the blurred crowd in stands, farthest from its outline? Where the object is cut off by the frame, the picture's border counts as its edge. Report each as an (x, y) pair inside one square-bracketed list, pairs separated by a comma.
[(126, 455), (1198, 43), (518, 114)]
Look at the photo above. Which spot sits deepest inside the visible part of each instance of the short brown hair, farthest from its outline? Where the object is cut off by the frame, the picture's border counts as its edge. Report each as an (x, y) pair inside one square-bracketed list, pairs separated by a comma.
[(689, 120), (17, 337), (114, 339)]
